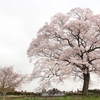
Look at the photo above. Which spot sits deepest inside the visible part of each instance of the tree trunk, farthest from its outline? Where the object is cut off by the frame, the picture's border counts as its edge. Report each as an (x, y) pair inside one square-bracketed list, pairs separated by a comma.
[(86, 78)]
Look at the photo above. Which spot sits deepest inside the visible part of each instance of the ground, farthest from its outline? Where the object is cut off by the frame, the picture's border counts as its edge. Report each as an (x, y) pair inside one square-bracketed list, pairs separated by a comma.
[(71, 97)]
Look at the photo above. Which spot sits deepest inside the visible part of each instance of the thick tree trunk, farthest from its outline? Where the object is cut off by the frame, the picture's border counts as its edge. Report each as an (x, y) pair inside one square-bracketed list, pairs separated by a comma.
[(86, 83)]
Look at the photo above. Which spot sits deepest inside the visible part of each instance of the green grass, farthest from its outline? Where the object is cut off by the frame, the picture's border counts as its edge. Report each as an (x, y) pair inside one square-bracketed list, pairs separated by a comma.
[(59, 98)]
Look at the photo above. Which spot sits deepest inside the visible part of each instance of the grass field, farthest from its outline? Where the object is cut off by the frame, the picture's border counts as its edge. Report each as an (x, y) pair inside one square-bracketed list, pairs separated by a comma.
[(57, 98)]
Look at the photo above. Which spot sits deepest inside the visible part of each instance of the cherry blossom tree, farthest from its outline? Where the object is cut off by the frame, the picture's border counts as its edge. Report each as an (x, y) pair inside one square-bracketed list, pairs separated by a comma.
[(68, 45), (10, 79)]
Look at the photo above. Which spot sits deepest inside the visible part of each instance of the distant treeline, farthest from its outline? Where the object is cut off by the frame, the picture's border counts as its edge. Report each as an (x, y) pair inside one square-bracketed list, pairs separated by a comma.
[(95, 91), (23, 93)]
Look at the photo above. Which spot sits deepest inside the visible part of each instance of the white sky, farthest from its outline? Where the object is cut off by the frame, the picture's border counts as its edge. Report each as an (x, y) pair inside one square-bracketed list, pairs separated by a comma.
[(19, 22)]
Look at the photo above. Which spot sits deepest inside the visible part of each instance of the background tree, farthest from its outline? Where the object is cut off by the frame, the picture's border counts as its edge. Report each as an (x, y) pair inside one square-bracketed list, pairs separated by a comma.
[(10, 79), (68, 45)]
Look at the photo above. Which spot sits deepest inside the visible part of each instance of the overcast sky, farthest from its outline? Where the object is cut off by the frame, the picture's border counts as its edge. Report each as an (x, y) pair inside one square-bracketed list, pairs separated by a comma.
[(19, 22)]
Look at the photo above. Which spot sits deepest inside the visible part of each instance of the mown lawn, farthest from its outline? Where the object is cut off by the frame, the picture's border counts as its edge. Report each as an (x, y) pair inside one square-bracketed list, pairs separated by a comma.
[(59, 98), (66, 98)]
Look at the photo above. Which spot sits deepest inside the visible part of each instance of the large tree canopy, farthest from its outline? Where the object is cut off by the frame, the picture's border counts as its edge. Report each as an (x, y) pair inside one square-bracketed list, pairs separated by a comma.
[(69, 44)]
